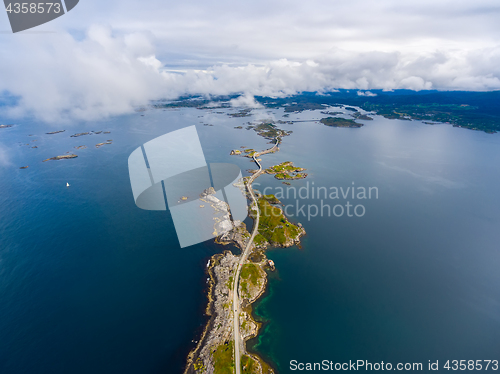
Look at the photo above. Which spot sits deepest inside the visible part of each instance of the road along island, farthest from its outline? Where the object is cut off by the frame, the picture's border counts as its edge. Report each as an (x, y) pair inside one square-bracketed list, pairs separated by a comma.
[(236, 282)]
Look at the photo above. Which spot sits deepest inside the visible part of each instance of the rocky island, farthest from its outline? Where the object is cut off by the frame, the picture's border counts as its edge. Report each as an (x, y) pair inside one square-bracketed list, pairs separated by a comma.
[(63, 157), (99, 145), (340, 122)]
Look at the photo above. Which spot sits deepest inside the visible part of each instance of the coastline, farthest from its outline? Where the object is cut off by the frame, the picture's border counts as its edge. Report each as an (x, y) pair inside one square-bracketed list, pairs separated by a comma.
[(209, 312), (263, 322), (248, 308)]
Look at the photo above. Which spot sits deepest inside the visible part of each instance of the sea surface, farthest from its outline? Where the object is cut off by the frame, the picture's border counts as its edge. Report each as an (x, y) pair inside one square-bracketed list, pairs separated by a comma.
[(89, 283)]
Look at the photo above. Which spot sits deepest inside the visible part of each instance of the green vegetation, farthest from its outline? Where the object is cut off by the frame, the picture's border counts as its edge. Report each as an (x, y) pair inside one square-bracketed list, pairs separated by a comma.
[(241, 113), (459, 115), (244, 288), (286, 171), (259, 240), (268, 130), (248, 365), (340, 122), (273, 225), (299, 107), (249, 150), (229, 283), (358, 115), (250, 272), (198, 365), (271, 199), (284, 166), (223, 359)]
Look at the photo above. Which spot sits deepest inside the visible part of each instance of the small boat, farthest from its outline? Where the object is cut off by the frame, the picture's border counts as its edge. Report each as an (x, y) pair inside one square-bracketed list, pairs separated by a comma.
[(67, 184)]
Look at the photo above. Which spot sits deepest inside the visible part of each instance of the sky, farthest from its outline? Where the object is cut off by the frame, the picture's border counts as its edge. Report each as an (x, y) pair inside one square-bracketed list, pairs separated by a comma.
[(105, 58)]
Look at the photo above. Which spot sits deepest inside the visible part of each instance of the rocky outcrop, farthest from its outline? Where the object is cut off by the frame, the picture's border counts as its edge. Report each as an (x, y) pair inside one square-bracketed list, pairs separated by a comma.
[(63, 157)]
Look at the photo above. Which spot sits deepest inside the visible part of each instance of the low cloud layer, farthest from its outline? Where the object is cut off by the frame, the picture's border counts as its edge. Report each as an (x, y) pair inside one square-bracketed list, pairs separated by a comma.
[(61, 77)]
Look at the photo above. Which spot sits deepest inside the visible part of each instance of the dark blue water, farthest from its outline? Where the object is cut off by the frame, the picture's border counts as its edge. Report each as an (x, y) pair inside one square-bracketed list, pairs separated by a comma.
[(416, 278), (91, 283)]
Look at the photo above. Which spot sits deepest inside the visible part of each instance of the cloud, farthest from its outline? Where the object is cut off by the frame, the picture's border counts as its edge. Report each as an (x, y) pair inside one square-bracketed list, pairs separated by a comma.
[(245, 101), (106, 71), (366, 93), (59, 78)]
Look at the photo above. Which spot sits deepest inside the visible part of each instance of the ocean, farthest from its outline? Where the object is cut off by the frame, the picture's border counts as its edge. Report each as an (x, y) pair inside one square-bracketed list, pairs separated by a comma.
[(91, 283)]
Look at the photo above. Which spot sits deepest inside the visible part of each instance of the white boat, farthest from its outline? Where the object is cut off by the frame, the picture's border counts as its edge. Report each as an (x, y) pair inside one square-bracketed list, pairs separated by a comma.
[(67, 184)]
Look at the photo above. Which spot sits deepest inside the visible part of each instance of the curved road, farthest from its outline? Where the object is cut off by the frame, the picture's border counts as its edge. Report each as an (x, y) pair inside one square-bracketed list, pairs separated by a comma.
[(244, 256)]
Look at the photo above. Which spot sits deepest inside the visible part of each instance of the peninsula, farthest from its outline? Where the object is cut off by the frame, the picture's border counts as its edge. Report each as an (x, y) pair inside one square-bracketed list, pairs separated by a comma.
[(236, 282)]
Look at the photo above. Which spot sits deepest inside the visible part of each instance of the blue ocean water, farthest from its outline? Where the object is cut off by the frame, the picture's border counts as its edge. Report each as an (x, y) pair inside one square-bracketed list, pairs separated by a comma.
[(91, 283)]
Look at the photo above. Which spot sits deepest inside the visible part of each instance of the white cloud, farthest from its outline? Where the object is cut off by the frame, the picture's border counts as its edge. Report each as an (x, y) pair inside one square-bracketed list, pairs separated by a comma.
[(104, 74), (270, 48), (246, 100), (59, 78), (366, 93)]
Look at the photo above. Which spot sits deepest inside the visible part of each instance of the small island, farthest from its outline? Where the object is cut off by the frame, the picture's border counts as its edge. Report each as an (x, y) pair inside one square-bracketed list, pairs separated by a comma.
[(235, 152), (89, 133), (5, 126), (63, 157), (55, 132), (340, 122), (364, 117), (79, 134), (241, 113), (331, 113), (99, 145), (286, 171), (268, 130)]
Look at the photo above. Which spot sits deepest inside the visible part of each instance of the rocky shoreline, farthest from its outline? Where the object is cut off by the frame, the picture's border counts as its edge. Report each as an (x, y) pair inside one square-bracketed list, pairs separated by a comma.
[(214, 351)]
